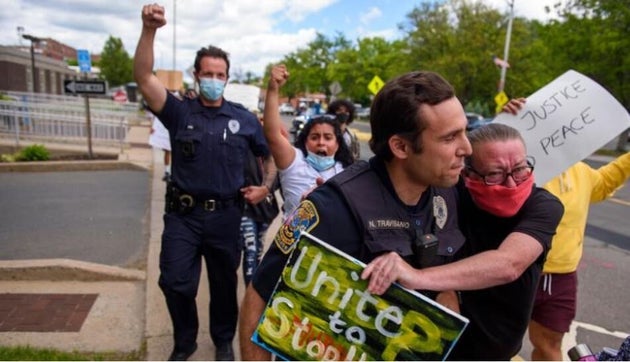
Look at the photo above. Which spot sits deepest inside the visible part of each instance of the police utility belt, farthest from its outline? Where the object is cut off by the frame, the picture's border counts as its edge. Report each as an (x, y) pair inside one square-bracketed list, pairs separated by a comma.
[(182, 203)]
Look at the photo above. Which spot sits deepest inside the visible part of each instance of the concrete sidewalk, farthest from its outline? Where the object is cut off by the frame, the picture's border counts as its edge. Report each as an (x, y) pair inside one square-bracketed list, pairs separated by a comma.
[(129, 313), (115, 321)]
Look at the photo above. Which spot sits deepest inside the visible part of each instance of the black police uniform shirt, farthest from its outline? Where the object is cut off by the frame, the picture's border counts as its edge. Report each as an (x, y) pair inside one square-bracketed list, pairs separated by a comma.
[(499, 316), (209, 146), (326, 215)]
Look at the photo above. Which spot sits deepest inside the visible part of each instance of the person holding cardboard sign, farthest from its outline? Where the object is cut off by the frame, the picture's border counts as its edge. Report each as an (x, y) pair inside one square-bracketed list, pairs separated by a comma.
[(555, 305), (401, 200)]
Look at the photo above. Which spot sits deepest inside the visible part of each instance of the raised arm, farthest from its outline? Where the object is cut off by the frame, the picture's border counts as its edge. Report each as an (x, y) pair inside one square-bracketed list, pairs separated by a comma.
[(152, 89), (280, 146)]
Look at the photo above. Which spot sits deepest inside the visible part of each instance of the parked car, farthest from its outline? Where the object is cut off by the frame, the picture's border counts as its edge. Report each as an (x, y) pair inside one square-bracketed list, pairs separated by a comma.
[(363, 113), (287, 108), (475, 121)]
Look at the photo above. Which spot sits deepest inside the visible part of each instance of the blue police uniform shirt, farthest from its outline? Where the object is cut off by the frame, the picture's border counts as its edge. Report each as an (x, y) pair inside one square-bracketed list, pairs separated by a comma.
[(209, 145), (325, 215)]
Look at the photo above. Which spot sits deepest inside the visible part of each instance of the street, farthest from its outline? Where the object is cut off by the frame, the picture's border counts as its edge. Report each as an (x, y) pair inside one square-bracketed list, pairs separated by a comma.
[(94, 216)]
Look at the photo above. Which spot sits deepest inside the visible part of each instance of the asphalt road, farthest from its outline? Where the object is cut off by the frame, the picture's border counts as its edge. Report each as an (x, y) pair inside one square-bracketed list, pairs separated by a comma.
[(94, 216)]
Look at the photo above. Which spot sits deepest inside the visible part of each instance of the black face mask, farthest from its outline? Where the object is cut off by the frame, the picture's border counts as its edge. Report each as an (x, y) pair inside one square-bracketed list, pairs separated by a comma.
[(342, 117)]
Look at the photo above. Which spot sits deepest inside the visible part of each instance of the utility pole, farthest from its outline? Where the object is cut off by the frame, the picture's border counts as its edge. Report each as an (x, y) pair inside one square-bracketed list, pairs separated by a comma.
[(174, 34), (33, 40), (506, 51)]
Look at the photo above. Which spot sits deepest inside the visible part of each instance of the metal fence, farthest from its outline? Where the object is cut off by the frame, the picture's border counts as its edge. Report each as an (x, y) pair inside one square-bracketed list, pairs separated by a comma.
[(63, 118)]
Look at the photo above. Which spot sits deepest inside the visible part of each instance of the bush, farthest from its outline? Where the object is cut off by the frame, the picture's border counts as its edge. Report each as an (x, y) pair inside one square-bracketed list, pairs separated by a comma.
[(7, 157), (33, 153)]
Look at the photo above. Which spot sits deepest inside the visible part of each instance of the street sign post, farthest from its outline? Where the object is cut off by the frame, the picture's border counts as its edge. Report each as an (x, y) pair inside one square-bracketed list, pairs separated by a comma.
[(84, 86), (335, 88)]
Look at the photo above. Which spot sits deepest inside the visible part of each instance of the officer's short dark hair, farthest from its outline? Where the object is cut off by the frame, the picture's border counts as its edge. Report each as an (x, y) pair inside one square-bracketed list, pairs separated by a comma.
[(343, 154), (396, 108), (214, 52), (334, 106)]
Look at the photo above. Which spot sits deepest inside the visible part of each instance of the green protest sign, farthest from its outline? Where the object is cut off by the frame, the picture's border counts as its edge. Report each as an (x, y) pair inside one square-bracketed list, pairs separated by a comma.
[(321, 310)]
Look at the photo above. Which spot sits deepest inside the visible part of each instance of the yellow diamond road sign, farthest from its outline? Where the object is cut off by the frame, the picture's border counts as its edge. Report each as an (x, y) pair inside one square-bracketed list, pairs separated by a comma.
[(501, 99), (376, 84)]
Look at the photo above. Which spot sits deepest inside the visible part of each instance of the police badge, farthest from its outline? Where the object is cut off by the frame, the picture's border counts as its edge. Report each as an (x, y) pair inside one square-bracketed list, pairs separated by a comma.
[(234, 126), (440, 211)]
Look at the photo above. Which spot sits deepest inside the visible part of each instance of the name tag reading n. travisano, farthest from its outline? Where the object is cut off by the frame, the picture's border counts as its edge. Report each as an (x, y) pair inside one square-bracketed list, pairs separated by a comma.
[(321, 310)]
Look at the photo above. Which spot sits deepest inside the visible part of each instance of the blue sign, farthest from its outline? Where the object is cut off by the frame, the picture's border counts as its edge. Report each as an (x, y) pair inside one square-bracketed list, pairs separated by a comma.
[(85, 62)]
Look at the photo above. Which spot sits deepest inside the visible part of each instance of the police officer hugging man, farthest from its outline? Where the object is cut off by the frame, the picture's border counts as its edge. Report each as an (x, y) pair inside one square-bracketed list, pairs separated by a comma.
[(210, 138)]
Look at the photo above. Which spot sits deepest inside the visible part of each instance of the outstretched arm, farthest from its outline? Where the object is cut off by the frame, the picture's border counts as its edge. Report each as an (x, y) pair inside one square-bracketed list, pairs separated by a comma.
[(613, 175), (149, 85), (494, 267), (280, 146), (252, 308)]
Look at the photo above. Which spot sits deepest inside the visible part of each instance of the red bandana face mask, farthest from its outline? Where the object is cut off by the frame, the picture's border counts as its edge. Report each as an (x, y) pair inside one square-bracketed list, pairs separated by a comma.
[(497, 199)]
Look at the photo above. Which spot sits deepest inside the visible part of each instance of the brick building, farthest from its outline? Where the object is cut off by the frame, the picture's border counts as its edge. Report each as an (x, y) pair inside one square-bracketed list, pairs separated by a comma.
[(16, 71), (50, 62)]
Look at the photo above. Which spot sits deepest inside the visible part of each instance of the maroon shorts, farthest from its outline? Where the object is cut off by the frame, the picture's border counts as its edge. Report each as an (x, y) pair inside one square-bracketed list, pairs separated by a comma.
[(556, 300)]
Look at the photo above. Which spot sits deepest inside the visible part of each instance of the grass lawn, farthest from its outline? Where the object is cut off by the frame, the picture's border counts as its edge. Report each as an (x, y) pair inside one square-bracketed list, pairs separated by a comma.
[(27, 353)]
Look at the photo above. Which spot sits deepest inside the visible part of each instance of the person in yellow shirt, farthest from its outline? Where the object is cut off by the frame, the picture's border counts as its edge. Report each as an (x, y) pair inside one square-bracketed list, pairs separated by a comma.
[(555, 305)]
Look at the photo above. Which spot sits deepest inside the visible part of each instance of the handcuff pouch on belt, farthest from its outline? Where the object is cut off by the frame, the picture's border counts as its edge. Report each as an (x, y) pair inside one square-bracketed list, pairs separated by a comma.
[(182, 203), (176, 201)]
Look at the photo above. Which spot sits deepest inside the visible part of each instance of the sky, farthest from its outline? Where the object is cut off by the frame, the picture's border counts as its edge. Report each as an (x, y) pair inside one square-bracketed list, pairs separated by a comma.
[(254, 32)]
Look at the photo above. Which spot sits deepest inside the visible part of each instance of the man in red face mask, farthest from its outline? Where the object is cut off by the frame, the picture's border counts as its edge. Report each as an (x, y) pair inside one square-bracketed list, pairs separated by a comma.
[(508, 223)]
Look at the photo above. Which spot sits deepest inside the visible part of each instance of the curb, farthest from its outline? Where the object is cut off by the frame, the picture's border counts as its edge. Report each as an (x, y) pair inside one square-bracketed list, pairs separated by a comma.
[(65, 270), (362, 136), (52, 166)]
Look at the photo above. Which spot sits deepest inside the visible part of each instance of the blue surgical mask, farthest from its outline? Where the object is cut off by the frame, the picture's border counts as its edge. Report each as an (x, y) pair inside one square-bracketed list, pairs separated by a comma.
[(211, 88), (320, 163)]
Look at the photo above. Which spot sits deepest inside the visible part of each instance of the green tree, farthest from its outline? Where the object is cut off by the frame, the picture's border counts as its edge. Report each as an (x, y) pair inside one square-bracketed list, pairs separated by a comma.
[(307, 66), (592, 38), (457, 38), (355, 67), (116, 64)]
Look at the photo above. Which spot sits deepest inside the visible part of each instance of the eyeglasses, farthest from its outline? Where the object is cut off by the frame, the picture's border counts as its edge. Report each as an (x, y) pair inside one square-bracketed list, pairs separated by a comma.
[(519, 174)]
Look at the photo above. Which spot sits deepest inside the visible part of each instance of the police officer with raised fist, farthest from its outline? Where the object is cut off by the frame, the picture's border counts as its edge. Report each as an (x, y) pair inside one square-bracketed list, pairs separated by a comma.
[(210, 138)]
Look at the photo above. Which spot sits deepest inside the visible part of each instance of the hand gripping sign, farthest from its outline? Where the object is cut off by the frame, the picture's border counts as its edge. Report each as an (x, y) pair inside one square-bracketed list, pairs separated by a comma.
[(321, 310), (566, 121)]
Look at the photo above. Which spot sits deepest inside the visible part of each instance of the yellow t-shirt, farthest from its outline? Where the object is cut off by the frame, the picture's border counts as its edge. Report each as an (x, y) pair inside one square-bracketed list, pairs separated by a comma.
[(578, 187)]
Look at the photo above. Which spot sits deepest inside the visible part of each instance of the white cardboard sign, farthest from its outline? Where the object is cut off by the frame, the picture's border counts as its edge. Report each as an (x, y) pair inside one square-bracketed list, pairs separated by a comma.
[(566, 121)]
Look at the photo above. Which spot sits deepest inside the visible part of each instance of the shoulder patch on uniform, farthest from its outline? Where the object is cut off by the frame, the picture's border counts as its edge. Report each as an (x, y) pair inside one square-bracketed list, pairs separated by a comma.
[(304, 218), (440, 211)]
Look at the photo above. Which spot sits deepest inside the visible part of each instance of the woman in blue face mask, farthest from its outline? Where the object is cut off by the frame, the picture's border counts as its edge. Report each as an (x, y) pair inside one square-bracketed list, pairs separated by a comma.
[(319, 151)]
